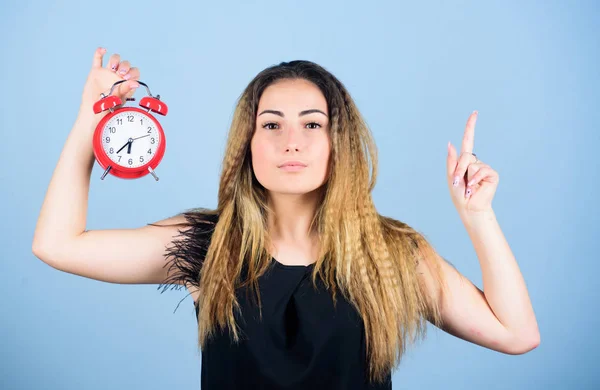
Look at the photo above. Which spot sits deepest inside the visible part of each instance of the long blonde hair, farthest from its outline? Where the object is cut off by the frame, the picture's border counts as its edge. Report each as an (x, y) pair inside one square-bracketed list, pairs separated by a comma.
[(371, 259)]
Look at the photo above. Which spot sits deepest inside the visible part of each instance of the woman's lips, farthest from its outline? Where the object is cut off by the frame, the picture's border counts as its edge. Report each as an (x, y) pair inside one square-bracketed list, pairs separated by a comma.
[(292, 168)]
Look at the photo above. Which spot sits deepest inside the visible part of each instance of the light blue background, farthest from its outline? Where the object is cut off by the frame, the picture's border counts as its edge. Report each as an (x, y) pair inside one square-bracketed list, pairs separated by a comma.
[(416, 70)]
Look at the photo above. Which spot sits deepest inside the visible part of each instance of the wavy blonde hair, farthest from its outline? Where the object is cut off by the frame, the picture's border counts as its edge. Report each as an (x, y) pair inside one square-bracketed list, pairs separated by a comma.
[(369, 258)]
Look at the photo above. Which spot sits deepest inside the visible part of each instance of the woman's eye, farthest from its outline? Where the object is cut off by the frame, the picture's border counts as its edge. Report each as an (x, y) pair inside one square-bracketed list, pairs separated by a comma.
[(275, 126), (270, 126)]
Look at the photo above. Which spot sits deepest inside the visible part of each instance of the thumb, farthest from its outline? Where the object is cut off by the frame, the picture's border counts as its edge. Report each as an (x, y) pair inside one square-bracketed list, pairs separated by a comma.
[(97, 62), (451, 160)]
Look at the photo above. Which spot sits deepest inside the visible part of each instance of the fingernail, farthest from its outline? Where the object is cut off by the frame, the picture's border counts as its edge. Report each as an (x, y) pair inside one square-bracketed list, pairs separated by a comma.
[(135, 85), (455, 182), (122, 71), (127, 76), (114, 66), (448, 147), (475, 112), (470, 183), (468, 192)]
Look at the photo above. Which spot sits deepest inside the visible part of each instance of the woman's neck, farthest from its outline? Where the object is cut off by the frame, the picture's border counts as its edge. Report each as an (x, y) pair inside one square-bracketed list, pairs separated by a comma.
[(292, 216)]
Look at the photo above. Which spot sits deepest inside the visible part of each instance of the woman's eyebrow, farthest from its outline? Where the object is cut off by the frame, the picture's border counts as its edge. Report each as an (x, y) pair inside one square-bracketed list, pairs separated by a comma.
[(305, 112), (313, 110)]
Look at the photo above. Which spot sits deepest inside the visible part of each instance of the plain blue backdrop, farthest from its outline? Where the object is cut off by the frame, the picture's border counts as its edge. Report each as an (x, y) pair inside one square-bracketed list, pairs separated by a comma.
[(416, 70)]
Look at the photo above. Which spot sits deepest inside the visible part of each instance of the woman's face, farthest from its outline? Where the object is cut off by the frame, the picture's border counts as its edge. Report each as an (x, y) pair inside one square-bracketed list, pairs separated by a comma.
[(291, 126)]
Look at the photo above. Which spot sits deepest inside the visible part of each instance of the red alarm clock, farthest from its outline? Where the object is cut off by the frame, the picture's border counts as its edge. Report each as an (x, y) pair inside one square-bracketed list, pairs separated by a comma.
[(129, 142)]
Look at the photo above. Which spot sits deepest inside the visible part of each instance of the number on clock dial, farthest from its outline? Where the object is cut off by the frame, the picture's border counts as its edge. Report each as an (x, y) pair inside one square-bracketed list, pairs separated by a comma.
[(117, 132)]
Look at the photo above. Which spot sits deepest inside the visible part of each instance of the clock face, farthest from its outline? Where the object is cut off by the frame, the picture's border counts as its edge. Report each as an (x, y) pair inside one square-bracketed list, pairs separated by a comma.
[(130, 139)]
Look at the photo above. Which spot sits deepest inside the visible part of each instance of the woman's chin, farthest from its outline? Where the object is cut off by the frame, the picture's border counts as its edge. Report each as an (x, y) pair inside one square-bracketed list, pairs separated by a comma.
[(292, 189)]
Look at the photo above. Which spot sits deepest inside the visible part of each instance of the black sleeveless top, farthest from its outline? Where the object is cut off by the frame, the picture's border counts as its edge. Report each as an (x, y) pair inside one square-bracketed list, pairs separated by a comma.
[(302, 342)]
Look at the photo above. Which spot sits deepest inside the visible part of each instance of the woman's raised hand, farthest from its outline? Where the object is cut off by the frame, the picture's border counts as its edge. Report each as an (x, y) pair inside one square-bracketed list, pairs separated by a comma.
[(101, 79)]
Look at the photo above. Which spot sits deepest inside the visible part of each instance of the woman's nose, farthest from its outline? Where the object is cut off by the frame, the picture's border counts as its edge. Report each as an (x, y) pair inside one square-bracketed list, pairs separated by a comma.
[(292, 139)]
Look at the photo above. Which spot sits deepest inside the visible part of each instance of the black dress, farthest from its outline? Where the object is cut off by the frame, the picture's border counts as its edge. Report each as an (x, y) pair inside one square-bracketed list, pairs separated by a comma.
[(303, 342)]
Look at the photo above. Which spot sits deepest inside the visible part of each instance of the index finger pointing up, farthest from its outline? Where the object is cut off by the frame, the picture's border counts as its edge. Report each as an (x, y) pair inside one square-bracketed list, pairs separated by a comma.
[(97, 63), (469, 137)]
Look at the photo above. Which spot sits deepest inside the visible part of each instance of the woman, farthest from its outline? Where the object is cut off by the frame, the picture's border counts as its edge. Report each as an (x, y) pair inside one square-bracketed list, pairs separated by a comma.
[(297, 281)]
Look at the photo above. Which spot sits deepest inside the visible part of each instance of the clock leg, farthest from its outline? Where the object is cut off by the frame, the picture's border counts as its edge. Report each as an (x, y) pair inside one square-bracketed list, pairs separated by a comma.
[(152, 173), (106, 172)]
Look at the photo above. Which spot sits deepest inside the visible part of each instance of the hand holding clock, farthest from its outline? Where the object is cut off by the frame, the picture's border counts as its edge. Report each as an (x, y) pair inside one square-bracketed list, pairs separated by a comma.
[(101, 79), (106, 91)]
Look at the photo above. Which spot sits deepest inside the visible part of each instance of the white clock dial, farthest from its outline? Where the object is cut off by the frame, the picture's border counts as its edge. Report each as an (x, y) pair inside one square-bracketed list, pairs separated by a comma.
[(130, 139)]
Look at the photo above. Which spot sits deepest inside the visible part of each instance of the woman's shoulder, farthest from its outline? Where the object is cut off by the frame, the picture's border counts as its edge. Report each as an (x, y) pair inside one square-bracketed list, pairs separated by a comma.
[(186, 252)]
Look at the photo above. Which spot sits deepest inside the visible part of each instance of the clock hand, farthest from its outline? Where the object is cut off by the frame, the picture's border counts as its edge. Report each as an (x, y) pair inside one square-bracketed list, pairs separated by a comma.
[(141, 137), (127, 143), (131, 142)]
